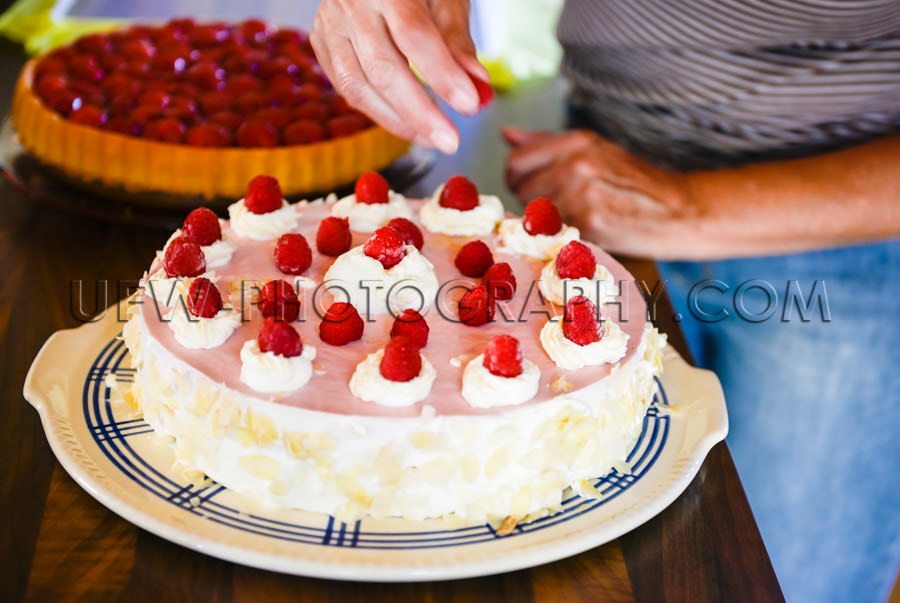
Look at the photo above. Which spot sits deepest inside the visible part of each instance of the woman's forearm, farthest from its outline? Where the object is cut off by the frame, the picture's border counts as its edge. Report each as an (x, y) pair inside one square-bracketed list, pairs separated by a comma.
[(844, 197)]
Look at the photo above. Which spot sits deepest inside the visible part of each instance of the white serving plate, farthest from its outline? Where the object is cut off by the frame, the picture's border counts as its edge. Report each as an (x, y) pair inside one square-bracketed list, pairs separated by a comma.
[(79, 375)]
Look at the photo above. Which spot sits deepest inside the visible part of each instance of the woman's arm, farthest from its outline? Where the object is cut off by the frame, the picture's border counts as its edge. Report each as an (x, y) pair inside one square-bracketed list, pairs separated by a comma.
[(631, 207)]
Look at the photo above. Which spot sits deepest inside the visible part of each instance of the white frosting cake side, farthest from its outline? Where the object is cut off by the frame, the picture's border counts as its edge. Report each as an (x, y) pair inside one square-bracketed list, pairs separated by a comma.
[(516, 463)]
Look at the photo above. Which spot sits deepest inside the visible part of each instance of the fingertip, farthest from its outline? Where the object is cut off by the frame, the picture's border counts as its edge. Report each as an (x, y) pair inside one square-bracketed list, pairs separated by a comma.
[(513, 136), (445, 140)]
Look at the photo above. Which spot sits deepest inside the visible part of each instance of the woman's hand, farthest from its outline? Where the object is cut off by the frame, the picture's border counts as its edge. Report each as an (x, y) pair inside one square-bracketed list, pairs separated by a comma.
[(621, 202), (365, 47)]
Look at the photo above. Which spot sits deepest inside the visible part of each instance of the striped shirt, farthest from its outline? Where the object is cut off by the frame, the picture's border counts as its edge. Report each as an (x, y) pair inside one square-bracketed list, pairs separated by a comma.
[(699, 83)]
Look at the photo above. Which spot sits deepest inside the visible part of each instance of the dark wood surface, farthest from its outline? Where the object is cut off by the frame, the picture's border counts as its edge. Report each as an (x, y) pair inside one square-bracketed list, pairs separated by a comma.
[(58, 543)]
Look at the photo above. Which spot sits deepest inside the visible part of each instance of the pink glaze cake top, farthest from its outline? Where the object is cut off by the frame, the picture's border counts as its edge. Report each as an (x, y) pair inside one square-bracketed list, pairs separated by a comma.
[(523, 317)]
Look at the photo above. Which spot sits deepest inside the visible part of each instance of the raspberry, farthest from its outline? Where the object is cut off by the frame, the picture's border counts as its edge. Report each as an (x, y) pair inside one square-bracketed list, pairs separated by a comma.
[(202, 227), (409, 231), (341, 324), (500, 281), (184, 257), (263, 195), (255, 133), (386, 246), (401, 360), (474, 259), (485, 92), (279, 300), (580, 323), (459, 194), (333, 237), (372, 188), (303, 131), (279, 338), (575, 260), (204, 299), (542, 217), (503, 356), (208, 135), (476, 307), (165, 130), (292, 254), (412, 325)]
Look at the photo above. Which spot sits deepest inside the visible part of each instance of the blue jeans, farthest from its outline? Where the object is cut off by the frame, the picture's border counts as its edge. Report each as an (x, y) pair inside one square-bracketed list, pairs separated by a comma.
[(814, 407)]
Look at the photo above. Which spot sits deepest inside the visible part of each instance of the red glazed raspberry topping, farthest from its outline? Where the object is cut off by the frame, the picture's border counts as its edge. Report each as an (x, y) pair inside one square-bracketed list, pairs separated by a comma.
[(304, 131), (292, 253), (208, 135), (474, 259), (459, 193), (165, 130), (542, 217), (411, 324), (263, 195), (345, 125), (386, 246), (409, 231), (190, 73), (279, 338), (580, 324), (401, 360), (500, 281), (277, 299), (88, 115), (575, 260), (256, 133), (476, 307), (372, 188), (341, 324), (333, 237), (503, 356), (202, 227), (183, 257), (204, 299)]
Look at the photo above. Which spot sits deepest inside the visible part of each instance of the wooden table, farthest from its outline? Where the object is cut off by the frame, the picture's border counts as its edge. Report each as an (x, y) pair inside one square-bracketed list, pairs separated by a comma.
[(59, 543)]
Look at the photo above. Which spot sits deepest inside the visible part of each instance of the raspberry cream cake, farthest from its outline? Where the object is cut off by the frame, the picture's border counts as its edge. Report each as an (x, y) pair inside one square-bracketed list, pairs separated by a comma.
[(405, 372)]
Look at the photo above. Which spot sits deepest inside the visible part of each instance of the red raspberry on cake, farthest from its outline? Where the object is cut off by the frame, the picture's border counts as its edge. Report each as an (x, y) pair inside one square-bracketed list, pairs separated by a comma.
[(204, 299), (500, 281), (401, 360), (292, 253), (202, 227), (576, 260), (387, 246), (580, 323), (372, 188), (263, 195), (476, 307), (183, 257), (279, 338), (409, 231), (278, 299), (411, 324), (474, 259), (542, 217), (503, 356), (459, 193), (341, 324), (333, 237)]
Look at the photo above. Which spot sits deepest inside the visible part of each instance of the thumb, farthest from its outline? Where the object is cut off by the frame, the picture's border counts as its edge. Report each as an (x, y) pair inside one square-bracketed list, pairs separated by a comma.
[(452, 20), (516, 137)]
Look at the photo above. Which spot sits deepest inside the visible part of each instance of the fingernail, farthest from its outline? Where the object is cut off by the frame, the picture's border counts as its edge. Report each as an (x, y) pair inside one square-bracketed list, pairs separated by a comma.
[(464, 101), (445, 141)]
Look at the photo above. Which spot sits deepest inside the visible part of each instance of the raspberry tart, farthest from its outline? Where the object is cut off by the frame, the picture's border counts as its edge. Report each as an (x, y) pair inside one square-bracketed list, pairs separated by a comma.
[(339, 391), (191, 109)]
